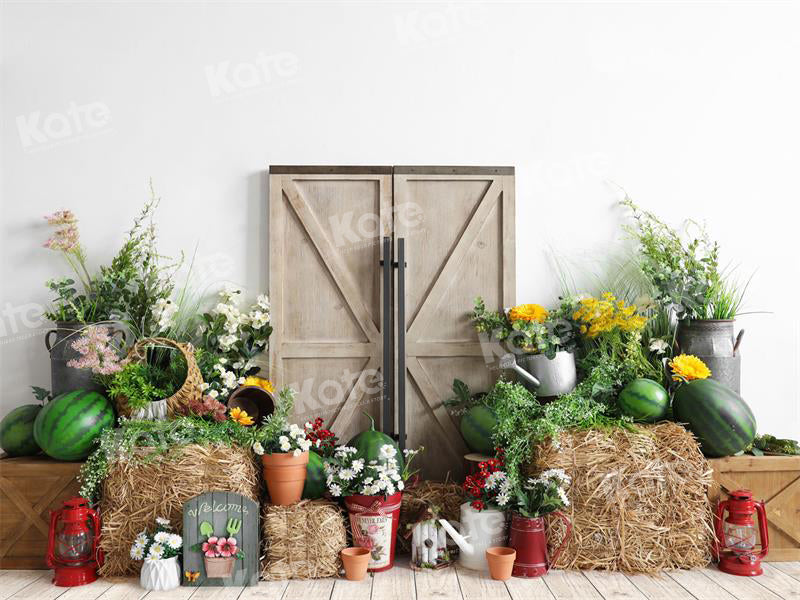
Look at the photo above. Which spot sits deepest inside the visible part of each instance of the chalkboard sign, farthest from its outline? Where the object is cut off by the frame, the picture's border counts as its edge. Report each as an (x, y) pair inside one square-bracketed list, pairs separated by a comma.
[(220, 515)]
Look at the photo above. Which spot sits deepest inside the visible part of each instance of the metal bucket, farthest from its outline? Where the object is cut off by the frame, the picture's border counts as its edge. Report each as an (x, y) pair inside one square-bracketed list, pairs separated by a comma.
[(713, 342), (544, 376), (63, 378)]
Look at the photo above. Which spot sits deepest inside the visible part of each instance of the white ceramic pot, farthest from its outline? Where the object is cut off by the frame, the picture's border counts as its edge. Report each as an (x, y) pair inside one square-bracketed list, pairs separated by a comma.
[(160, 575), (155, 411)]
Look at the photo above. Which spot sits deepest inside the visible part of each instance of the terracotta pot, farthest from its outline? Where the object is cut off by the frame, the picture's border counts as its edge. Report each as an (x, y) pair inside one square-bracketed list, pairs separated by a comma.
[(221, 567), (285, 475), (374, 521), (529, 538), (355, 562), (501, 562)]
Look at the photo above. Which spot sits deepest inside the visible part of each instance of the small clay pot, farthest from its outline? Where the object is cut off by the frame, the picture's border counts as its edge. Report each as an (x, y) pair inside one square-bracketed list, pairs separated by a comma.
[(255, 401), (285, 475), (355, 562), (501, 562)]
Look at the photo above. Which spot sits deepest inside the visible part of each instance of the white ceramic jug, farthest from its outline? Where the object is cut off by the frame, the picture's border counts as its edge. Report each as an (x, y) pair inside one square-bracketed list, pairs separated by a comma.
[(479, 530)]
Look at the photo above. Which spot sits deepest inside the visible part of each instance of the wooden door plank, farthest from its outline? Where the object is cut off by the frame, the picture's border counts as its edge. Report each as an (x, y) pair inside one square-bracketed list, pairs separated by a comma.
[(533, 588), (265, 590), (659, 588), (699, 586), (449, 271), (331, 258), (429, 395), (570, 585), (740, 587), (351, 403), (613, 585), (790, 568), (352, 590), (439, 585), (13, 581), (276, 260), (478, 585), (779, 582), (394, 584), (509, 276), (781, 515), (124, 589)]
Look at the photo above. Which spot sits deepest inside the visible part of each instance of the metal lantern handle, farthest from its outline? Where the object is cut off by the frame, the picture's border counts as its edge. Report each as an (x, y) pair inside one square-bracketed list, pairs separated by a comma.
[(51, 538), (762, 528)]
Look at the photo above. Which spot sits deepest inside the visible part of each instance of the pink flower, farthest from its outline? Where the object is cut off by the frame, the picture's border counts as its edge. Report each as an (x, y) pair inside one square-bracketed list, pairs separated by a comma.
[(210, 547), (373, 529), (66, 239), (227, 547), (97, 352), (61, 217)]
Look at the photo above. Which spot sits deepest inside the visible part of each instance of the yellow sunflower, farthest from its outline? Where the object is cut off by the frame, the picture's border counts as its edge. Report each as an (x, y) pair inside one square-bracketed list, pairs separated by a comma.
[(528, 312), (241, 417), (687, 367), (264, 384)]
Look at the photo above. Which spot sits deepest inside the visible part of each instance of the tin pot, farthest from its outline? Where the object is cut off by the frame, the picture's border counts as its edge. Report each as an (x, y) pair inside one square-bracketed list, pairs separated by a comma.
[(544, 376), (713, 342), (374, 521), (59, 342), (529, 538)]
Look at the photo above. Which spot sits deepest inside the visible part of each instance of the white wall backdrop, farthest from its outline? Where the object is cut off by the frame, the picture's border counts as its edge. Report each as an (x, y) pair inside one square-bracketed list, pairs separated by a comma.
[(692, 108)]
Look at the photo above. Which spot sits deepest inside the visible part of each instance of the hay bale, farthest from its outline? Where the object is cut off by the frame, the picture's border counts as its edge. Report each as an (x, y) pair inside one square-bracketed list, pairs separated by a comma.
[(639, 500), (446, 498), (136, 492), (303, 540)]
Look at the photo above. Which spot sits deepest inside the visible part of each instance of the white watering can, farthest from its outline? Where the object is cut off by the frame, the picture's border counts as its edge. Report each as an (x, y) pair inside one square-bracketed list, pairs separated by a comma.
[(479, 530)]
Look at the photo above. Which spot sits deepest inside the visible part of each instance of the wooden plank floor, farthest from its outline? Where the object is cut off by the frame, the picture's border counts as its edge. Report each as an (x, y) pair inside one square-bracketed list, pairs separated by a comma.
[(780, 580)]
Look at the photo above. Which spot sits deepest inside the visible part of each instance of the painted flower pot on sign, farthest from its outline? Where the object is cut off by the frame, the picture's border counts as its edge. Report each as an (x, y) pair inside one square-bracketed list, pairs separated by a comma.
[(374, 521), (529, 538), (219, 567), (285, 475)]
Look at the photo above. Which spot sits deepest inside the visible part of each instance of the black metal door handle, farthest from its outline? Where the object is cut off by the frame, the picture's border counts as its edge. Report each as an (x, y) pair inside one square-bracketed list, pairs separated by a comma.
[(387, 423), (401, 342)]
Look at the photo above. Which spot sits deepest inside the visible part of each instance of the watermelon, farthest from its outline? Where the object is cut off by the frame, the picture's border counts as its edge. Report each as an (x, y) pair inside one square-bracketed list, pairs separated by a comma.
[(477, 428), (718, 417), (644, 400), (369, 442), (68, 426), (16, 431), (315, 486)]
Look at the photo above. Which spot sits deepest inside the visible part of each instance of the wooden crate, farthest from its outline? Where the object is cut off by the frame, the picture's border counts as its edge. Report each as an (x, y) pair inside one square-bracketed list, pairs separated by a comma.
[(774, 480), (29, 488)]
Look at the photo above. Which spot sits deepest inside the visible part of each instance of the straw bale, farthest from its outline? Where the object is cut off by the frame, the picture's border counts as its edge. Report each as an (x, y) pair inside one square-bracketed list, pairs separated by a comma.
[(639, 500), (136, 492), (303, 540)]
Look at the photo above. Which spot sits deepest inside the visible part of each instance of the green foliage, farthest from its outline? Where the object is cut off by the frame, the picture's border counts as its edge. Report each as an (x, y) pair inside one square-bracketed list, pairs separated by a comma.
[(160, 438), (462, 397), (42, 395), (769, 444), (134, 383), (276, 424), (543, 494)]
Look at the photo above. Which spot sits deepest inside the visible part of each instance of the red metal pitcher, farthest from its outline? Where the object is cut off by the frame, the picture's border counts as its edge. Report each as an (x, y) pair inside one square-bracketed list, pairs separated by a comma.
[(529, 538)]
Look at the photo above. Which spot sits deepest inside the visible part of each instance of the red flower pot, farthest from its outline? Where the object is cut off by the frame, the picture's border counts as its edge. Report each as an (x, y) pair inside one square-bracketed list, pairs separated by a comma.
[(529, 538), (374, 521)]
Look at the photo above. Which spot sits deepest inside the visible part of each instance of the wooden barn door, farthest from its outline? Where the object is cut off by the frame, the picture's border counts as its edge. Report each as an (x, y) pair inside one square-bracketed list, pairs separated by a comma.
[(326, 224), (457, 229)]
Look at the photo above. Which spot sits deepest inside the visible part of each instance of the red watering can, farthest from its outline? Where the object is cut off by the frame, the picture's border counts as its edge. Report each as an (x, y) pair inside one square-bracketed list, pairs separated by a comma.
[(529, 538)]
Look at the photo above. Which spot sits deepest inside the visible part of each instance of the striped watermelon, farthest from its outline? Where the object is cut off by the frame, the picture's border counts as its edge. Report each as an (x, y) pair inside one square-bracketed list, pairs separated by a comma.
[(477, 427), (68, 425), (16, 431), (644, 400), (721, 420), (315, 486), (369, 442)]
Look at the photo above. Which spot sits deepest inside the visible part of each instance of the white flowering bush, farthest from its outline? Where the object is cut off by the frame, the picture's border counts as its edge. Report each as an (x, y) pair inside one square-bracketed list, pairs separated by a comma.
[(230, 340), (544, 494), (348, 474), (162, 543)]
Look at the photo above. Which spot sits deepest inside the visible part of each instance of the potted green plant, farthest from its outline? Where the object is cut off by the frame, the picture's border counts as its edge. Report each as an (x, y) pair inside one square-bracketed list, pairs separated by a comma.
[(540, 342), (689, 284), (283, 448)]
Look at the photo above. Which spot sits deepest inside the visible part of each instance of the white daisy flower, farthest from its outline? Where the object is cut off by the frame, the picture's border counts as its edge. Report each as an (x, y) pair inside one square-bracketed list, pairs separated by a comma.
[(335, 489), (162, 521), (137, 552), (563, 496), (357, 465), (161, 537), (297, 452), (388, 451), (156, 551), (175, 541), (141, 539), (400, 485), (346, 474), (493, 480), (258, 448), (503, 498)]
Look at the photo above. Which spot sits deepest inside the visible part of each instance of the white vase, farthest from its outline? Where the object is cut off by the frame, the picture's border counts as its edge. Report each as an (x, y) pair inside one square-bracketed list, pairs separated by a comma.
[(160, 575), (155, 411), (482, 529)]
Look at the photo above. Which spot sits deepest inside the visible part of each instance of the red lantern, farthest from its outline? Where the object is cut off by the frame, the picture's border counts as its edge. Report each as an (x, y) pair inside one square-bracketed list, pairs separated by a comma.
[(735, 543), (72, 550)]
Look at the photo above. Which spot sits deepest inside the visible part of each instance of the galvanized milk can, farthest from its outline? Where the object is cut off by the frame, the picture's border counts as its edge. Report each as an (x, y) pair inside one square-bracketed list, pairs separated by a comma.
[(713, 342)]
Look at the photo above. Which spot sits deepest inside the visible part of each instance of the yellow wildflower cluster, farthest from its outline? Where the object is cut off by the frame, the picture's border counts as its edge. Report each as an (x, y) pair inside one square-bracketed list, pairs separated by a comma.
[(687, 367), (528, 312), (264, 384), (600, 316)]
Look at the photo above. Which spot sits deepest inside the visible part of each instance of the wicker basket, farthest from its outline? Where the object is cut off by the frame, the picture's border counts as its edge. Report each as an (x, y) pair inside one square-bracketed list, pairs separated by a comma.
[(190, 390)]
